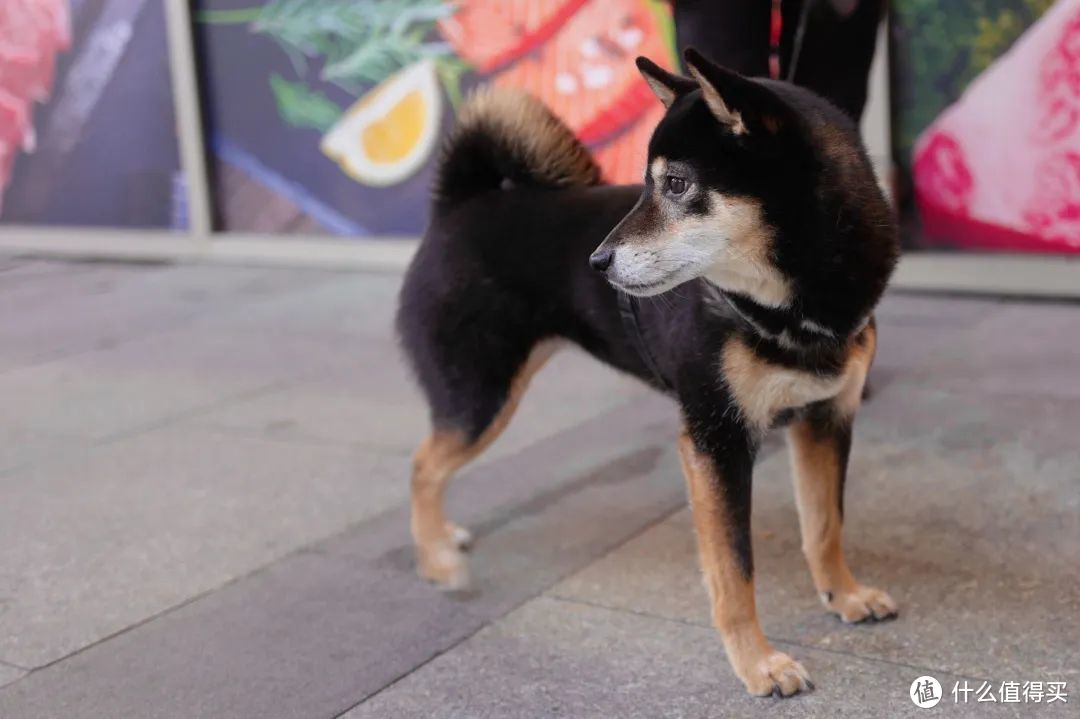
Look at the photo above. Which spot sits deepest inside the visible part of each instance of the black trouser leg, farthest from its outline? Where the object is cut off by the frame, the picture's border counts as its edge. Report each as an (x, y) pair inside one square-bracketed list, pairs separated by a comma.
[(733, 33), (836, 51)]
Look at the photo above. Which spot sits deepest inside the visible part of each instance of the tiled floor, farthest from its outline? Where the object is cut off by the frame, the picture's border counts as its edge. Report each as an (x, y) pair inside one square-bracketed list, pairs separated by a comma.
[(203, 476)]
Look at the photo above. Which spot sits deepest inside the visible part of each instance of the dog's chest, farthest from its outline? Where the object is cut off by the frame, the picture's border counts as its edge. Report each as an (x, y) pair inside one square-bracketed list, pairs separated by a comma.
[(762, 390)]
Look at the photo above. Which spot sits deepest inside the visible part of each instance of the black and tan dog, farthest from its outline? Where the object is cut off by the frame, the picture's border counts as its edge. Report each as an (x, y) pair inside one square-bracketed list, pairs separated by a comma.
[(760, 205)]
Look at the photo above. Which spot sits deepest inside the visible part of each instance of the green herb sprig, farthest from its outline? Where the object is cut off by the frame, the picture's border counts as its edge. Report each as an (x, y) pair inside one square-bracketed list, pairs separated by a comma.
[(360, 43)]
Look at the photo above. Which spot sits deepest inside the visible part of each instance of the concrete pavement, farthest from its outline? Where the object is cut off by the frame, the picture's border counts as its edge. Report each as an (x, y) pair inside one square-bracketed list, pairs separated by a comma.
[(203, 484)]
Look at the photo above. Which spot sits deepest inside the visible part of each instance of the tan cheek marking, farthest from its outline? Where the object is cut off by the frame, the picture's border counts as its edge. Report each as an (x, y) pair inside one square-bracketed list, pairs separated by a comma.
[(749, 234), (746, 266), (762, 390)]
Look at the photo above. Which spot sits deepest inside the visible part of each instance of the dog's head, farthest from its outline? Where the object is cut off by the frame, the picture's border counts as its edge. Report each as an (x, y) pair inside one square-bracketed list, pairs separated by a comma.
[(726, 145)]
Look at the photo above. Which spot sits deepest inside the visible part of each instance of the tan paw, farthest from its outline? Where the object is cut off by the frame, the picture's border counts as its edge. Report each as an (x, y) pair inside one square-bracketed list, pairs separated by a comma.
[(777, 675), (444, 564), (861, 605), (461, 537)]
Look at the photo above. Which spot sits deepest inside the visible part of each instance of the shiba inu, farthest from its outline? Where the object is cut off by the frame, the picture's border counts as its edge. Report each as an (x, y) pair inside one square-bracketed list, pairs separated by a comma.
[(760, 206)]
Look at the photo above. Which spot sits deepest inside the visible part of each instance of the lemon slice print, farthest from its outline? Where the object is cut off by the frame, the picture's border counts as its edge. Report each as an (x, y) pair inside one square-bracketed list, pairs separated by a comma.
[(388, 134)]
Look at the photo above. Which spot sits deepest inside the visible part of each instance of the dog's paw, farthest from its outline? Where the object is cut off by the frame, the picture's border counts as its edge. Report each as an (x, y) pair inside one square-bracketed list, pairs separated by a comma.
[(443, 563), (777, 675), (461, 537), (862, 604)]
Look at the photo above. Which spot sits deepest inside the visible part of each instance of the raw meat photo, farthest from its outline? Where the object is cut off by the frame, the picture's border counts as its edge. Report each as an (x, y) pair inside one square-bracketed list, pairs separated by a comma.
[(87, 127), (325, 117), (32, 33)]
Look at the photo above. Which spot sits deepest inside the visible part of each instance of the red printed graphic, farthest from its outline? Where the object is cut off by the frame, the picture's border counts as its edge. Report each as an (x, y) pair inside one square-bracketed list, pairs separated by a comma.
[(31, 33), (1054, 211), (941, 174)]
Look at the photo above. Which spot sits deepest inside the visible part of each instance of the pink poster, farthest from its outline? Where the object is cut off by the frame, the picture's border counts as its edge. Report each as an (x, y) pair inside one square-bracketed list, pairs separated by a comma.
[(986, 123), (1000, 168)]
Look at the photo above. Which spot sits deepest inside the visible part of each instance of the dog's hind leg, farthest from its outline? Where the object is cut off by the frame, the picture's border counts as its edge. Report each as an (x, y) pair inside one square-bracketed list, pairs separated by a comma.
[(455, 441)]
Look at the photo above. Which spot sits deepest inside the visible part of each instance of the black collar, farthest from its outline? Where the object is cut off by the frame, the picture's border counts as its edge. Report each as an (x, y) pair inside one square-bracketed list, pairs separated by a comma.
[(784, 326)]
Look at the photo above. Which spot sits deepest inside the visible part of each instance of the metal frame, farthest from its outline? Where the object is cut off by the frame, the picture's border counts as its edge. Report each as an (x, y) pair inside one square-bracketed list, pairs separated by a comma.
[(1041, 276), (189, 128), (387, 253)]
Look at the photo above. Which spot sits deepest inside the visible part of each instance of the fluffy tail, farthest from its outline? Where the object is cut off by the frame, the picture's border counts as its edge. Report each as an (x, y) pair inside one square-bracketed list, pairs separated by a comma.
[(508, 136)]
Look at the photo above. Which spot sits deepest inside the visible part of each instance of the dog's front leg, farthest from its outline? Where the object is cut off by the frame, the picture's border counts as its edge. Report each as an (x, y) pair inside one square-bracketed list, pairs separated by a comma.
[(719, 485), (820, 442)]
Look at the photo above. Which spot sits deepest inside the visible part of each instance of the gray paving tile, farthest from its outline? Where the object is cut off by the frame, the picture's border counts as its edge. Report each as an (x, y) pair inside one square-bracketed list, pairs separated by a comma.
[(961, 510), (99, 394), (1029, 349), (313, 634), (1014, 425), (34, 283), (914, 330), (94, 546), (20, 446), (903, 350), (9, 674), (27, 278), (560, 659), (910, 310), (87, 307), (15, 266), (353, 303), (376, 403)]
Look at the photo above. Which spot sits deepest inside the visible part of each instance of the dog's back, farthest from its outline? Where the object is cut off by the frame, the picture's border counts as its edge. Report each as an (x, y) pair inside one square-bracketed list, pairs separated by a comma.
[(518, 205)]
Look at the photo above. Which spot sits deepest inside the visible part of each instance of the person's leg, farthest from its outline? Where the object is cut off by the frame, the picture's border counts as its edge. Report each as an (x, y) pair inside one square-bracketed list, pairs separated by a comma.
[(837, 48), (733, 33)]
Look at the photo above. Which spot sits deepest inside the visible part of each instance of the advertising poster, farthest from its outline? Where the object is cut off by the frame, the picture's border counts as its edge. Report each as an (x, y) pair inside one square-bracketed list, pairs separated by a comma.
[(325, 116), (986, 121), (87, 129)]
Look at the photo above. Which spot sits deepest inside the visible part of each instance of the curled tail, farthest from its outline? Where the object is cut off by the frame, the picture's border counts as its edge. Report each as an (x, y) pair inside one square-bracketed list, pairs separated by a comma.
[(508, 135)]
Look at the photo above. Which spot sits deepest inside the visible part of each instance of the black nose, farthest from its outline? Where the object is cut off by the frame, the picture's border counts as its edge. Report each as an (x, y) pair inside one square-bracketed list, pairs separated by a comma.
[(601, 259)]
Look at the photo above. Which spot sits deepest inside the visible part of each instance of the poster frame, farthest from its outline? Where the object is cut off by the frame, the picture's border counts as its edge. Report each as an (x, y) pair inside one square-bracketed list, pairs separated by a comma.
[(1010, 274)]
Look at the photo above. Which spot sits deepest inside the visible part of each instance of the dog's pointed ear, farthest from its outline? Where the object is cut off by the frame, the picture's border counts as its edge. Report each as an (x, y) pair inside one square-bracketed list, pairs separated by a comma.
[(737, 102), (667, 86)]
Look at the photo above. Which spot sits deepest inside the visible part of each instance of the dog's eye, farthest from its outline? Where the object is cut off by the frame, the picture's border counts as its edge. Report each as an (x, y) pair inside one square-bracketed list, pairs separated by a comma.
[(676, 185)]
